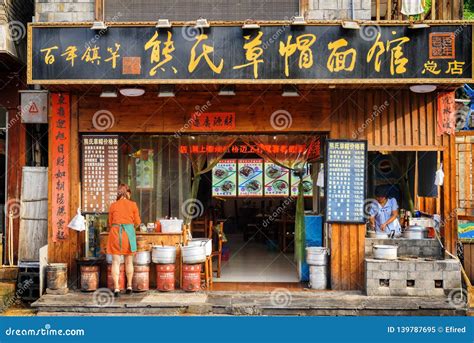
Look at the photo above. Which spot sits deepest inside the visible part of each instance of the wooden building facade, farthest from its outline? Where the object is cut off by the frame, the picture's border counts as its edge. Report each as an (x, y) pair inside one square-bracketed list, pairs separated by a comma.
[(379, 110)]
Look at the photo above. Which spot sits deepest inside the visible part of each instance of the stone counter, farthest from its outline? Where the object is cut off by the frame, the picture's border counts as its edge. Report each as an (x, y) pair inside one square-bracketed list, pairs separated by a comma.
[(417, 277)]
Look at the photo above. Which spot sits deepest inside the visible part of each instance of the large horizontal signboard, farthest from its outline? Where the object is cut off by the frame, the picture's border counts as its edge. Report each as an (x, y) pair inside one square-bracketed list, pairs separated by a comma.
[(220, 54)]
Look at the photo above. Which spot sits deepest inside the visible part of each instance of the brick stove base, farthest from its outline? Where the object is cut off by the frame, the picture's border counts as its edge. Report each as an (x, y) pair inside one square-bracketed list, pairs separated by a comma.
[(416, 277)]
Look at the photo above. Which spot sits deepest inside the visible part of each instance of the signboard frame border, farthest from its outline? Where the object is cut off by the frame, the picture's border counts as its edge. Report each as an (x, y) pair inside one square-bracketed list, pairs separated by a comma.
[(378, 81)]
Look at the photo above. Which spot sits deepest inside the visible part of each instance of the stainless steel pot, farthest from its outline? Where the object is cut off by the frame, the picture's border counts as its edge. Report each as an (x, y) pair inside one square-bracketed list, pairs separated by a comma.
[(163, 254), (415, 232), (193, 254), (207, 242), (142, 257), (385, 252)]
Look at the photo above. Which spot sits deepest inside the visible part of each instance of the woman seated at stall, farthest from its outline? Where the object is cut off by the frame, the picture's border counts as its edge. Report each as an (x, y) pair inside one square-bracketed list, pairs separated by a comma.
[(384, 213), (123, 218)]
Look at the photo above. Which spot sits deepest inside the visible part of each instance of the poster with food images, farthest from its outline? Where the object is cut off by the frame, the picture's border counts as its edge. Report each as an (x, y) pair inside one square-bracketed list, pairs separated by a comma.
[(250, 177), (307, 183), (277, 180), (224, 179)]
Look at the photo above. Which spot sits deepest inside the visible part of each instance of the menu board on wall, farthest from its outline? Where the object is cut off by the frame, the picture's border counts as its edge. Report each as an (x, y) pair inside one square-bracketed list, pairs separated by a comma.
[(277, 180), (307, 183), (250, 176), (346, 181), (60, 135), (99, 172), (224, 179)]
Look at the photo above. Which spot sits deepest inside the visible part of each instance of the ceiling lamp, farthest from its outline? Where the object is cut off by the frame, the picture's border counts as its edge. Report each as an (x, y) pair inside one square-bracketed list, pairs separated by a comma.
[(290, 91), (132, 91), (227, 90), (423, 88), (99, 26), (109, 92), (166, 91), (298, 20), (163, 24), (202, 23), (350, 25)]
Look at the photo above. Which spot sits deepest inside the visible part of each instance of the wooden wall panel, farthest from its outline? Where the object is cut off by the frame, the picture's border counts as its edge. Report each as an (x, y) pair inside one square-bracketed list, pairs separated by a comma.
[(168, 115), (395, 120), (465, 173)]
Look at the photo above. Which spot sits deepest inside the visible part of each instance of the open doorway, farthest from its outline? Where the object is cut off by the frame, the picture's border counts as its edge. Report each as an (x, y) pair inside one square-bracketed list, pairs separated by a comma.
[(254, 197)]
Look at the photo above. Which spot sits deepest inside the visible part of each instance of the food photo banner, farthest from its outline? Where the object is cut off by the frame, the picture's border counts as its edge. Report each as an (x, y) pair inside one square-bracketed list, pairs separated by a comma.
[(230, 54)]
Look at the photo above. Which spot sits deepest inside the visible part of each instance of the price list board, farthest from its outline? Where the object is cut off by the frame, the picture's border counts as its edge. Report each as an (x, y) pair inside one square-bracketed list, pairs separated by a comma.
[(345, 181), (99, 172)]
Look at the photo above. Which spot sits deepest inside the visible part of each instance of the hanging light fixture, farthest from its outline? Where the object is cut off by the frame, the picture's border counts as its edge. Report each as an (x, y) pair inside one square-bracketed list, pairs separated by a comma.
[(298, 20), (166, 91), (423, 88), (109, 92), (290, 91), (202, 23), (163, 24), (227, 90), (132, 91), (98, 26)]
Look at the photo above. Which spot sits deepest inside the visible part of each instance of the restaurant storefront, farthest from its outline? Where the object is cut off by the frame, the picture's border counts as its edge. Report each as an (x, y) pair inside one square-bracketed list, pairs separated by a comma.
[(192, 113)]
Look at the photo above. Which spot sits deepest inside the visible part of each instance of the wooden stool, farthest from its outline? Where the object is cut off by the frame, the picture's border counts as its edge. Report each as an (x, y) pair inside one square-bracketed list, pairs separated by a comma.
[(207, 275)]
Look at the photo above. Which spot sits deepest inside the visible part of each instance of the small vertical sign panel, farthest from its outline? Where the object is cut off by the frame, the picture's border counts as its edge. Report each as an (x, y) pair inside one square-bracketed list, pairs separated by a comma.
[(60, 145), (34, 107)]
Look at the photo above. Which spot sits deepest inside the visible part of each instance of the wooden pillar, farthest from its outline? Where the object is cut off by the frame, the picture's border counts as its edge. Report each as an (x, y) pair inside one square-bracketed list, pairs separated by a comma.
[(16, 159), (67, 250), (99, 10), (16, 153)]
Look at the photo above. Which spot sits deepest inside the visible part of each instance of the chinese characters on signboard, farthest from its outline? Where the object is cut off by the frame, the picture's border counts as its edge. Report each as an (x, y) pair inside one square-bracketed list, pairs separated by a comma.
[(99, 172), (446, 113), (345, 186), (269, 53), (60, 135), (212, 121)]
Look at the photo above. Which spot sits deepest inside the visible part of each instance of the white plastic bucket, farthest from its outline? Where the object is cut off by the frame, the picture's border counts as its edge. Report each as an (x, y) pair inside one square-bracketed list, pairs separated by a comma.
[(318, 278), (316, 256)]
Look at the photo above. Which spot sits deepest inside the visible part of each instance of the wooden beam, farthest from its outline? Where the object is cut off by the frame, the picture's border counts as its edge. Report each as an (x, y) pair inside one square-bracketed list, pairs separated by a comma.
[(389, 10), (99, 10), (304, 7), (433, 9), (377, 9)]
